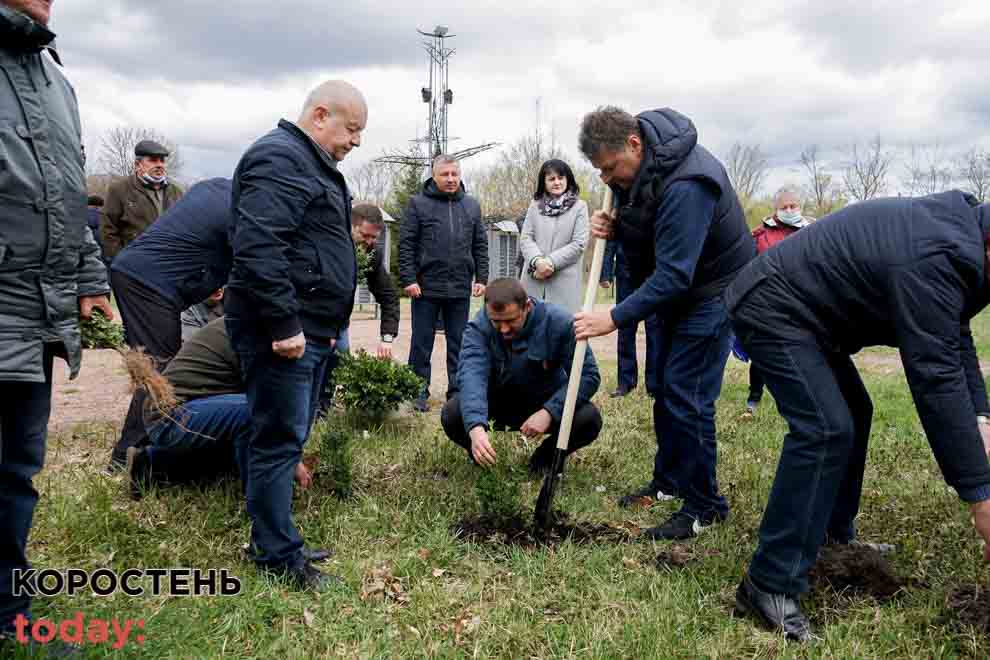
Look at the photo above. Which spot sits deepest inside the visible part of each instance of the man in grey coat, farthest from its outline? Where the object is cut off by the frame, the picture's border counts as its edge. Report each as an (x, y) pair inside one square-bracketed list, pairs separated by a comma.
[(50, 270)]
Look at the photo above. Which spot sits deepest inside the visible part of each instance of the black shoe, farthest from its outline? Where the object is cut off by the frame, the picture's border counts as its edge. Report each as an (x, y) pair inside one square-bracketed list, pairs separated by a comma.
[(309, 578), (312, 555), (648, 495), (315, 555), (138, 472), (778, 612), (421, 405), (621, 391), (679, 527)]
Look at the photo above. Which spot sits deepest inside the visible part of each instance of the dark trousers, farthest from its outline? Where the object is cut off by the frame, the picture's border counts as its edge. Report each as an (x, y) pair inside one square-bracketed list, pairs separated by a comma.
[(24, 411), (152, 322), (282, 396), (692, 353), (756, 384), (819, 477), (626, 342), (201, 439), (510, 411), (424, 318)]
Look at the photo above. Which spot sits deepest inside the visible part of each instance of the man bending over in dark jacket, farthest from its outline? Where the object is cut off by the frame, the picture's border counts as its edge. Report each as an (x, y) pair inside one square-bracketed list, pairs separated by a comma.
[(179, 261), (515, 362), (903, 272)]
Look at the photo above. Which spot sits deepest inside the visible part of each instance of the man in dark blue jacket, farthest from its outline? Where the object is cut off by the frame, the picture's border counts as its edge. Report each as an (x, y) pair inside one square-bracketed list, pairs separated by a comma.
[(684, 238), (615, 273), (515, 362), (289, 297), (443, 261), (177, 262), (903, 272)]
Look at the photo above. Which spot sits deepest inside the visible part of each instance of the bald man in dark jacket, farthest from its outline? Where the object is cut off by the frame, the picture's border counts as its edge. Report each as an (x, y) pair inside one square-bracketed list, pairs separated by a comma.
[(908, 273)]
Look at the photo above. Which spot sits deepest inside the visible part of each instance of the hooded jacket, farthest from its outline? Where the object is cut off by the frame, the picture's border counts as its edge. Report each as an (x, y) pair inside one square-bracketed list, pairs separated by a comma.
[(682, 231), (442, 243), (48, 257), (901, 272)]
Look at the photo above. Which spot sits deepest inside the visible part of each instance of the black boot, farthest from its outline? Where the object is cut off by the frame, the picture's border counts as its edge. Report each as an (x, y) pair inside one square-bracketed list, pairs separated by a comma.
[(778, 612)]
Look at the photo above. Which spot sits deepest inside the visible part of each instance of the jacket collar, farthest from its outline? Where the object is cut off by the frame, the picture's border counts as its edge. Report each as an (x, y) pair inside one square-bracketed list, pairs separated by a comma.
[(430, 189), (20, 33), (320, 152), (528, 340)]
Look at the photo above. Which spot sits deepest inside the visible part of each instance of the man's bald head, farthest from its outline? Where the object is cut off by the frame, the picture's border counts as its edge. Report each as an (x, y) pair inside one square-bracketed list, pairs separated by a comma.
[(334, 115)]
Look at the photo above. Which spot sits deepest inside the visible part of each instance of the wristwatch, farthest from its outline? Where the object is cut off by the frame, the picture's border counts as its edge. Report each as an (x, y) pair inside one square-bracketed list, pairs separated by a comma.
[(387, 339)]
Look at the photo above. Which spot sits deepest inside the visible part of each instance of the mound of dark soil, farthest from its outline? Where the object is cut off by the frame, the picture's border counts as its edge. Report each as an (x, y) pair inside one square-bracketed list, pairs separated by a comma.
[(856, 569), (970, 605), (519, 531)]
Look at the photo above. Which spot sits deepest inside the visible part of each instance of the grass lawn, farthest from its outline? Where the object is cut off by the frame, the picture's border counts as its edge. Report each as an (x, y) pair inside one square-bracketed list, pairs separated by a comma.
[(411, 588)]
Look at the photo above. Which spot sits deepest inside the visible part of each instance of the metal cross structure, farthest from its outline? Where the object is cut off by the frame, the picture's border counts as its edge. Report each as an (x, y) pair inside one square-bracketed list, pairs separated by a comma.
[(439, 97)]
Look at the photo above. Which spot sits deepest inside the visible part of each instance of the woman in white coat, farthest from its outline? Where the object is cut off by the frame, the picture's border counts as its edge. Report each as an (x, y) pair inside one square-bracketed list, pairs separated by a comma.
[(553, 238)]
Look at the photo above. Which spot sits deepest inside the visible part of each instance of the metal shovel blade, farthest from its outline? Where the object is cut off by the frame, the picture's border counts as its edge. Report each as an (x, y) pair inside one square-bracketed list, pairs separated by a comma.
[(544, 503)]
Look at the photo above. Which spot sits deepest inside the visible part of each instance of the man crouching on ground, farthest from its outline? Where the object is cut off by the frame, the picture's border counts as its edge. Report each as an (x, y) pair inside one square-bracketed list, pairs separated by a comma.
[(514, 365)]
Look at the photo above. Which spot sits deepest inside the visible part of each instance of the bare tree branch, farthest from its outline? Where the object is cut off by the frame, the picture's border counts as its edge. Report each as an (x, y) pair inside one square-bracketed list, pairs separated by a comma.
[(747, 168), (926, 171), (865, 173), (116, 152), (973, 169)]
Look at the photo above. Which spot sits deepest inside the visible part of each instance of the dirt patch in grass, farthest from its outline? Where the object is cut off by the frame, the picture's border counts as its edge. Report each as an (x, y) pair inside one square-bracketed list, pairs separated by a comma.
[(520, 531), (856, 570), (970, 606), (679, 555)]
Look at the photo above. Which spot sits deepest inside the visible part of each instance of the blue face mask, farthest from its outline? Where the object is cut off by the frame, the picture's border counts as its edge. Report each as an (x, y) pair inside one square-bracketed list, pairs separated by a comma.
[(789, 218)]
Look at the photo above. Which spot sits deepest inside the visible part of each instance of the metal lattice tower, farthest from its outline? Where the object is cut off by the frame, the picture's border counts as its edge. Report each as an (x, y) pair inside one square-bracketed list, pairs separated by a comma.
[(439, 97)]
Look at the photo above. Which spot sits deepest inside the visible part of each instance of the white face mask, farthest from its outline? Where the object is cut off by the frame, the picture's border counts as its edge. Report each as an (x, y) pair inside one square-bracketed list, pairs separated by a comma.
[(154, 180), (789, 218)]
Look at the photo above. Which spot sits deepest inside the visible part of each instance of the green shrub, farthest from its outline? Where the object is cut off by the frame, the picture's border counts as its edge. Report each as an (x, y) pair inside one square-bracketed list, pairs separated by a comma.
[(100, 332), (371, 387), (499, 489), (335, 459)]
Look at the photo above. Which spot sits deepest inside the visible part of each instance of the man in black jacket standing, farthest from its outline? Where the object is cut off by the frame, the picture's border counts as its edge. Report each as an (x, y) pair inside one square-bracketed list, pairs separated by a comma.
[(443, 261), (905, 272), (289, 297)]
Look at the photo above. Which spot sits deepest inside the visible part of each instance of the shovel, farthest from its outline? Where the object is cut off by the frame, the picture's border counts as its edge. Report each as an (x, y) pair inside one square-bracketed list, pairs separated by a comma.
[(545, 499)]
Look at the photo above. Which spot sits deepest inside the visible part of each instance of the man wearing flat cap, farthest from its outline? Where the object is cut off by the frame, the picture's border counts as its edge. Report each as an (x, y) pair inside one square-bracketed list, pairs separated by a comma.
[(135, 202)]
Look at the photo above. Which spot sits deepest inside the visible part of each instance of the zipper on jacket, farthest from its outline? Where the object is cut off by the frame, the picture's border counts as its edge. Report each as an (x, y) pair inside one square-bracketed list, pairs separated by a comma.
[(450, 242)]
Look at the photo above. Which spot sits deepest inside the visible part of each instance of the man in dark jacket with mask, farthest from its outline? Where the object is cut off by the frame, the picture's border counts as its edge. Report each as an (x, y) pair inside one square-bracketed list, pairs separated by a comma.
[(684, 237), (443, 261), (905, 272), (50, 270), (179, 261)]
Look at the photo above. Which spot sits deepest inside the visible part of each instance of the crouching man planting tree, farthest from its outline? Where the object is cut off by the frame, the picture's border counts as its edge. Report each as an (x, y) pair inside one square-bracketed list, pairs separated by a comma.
[(902, 272), (514, 365)]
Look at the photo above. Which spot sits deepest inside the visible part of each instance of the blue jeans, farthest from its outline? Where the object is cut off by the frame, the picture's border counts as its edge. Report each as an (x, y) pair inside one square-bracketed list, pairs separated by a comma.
[(282, 396), (424, 317), (24, 411), (692, 353), (201, 438), (819, 477), (626, 342)]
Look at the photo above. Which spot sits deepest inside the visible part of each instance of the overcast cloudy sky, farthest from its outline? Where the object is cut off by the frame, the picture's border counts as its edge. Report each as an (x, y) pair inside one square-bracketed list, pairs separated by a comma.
[(786, 73)]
